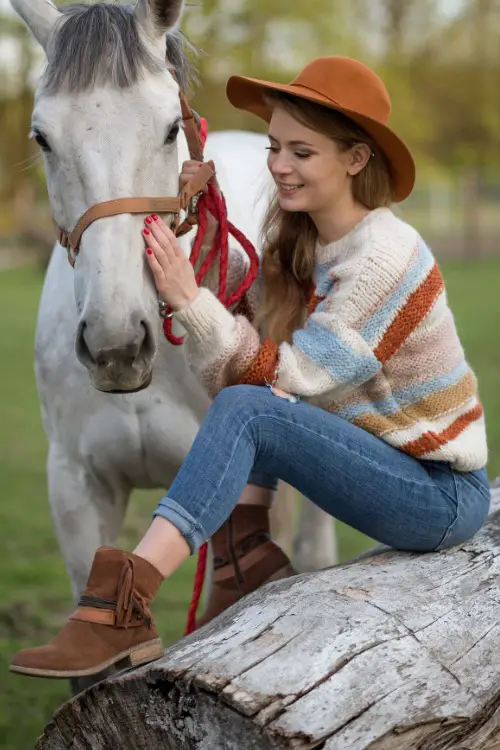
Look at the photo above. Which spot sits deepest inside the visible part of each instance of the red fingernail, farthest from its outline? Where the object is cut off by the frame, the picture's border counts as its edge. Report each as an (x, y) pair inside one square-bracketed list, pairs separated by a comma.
[(149, 251), (148, 219), (146, 231), (155, 217)]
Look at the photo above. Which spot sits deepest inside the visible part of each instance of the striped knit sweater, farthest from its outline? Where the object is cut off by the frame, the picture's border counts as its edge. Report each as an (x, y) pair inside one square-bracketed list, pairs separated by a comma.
[(379, 347)]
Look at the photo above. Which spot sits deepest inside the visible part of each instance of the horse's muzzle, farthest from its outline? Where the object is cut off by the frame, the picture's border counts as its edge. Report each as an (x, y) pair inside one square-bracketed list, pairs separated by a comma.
[(120, 382)]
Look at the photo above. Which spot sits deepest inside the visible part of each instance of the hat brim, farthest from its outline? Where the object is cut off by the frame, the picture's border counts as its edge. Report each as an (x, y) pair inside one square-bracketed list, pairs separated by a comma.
[(248, 94)]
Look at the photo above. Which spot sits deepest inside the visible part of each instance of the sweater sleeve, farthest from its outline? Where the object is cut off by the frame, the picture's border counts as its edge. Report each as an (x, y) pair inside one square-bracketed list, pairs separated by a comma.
[(339, 346), (224, 350), (220, 345)]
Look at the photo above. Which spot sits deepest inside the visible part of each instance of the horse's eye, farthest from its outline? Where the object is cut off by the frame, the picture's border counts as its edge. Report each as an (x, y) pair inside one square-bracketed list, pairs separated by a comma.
[(41, 140), (172, 133)]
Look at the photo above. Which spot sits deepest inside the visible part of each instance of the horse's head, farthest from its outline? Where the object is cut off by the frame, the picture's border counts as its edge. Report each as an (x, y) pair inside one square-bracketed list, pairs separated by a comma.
[(106, 117)]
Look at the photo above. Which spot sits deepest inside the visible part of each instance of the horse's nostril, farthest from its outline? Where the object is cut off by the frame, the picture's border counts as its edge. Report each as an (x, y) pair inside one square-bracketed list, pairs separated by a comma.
[(147, 348), (82, 350)]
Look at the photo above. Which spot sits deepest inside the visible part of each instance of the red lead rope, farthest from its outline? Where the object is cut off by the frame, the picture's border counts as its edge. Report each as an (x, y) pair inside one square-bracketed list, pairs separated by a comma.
[(215, 203)]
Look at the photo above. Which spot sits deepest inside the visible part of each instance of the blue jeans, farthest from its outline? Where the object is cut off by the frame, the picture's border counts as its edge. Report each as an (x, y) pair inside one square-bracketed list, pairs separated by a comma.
[(354, 476)]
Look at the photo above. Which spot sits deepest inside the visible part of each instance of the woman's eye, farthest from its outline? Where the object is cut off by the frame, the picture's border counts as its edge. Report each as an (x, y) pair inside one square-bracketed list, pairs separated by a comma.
[(41, 140), (298, 154), (172, 133)]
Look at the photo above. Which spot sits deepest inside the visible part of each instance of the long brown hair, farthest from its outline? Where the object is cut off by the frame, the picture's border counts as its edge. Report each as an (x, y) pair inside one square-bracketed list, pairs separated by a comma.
[(290, 237)]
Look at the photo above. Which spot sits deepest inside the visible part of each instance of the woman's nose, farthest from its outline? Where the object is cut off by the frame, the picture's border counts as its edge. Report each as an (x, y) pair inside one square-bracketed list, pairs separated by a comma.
[(280, 164)]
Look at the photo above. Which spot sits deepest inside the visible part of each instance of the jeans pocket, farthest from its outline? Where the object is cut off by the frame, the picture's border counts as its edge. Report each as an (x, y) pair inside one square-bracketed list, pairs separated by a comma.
[(479, 479), (449, 535), (469, 503), (445, 480)]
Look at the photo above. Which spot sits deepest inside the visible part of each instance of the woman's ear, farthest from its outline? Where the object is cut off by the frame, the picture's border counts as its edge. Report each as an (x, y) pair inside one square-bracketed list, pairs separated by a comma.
[(359, 156)]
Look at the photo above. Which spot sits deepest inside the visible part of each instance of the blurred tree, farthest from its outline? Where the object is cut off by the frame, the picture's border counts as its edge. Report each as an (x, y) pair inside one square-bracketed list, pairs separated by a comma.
[(16, 100), (457, 80), (397, 29), (441, 70), (395, 35), (261, 38), (442, 74)]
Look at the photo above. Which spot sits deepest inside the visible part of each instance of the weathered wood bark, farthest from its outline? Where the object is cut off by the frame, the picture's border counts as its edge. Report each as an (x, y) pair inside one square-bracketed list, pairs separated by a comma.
[(390, 652)]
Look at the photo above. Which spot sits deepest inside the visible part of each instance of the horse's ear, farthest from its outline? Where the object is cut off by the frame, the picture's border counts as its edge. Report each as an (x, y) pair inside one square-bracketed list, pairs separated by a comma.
[(39, 16), (159, 16)]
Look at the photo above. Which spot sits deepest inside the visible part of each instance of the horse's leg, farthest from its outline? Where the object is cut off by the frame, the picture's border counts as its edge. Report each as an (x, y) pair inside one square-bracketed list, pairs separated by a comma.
[(283, 516), (315, 545), (88, 513)]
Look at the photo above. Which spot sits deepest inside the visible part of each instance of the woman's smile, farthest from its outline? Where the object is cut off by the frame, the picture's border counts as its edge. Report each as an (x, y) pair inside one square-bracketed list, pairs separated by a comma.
[(288, 190)]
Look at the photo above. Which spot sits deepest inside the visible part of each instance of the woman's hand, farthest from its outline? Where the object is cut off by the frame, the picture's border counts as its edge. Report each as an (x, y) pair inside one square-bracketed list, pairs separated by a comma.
[(172, 271), (284, 394), (188, 171)]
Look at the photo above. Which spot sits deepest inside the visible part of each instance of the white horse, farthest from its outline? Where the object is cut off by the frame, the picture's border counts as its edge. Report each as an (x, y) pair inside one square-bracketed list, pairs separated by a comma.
[(105, 116)]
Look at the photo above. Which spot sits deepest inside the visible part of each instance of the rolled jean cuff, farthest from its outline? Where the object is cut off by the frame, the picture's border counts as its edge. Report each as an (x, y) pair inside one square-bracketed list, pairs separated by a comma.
[(263, 480), (183, 521)]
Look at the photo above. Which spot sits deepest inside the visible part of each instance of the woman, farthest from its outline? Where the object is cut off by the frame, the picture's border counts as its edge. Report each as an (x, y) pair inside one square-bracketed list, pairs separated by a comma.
[(350, 384)]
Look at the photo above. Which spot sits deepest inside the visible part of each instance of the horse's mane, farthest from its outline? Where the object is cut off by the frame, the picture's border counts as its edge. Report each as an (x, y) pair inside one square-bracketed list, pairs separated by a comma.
[(100, 44)]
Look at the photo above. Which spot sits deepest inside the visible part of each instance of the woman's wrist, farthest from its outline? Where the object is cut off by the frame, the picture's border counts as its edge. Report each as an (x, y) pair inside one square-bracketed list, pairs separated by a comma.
[(190, 298)]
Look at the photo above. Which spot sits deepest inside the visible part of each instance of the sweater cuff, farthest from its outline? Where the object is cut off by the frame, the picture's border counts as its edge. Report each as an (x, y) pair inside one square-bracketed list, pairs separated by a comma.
[(203, 315)]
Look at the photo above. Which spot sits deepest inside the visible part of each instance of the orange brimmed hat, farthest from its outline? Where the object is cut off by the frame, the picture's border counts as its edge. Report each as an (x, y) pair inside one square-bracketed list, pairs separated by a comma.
[(347, 86)]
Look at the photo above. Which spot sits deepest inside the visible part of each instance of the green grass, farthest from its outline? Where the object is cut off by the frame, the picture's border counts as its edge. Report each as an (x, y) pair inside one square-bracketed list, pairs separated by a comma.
[(34, 591)]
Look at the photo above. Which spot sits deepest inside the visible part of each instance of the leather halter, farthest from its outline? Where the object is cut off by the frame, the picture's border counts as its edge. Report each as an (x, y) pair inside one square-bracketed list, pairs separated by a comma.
[(186, 201)]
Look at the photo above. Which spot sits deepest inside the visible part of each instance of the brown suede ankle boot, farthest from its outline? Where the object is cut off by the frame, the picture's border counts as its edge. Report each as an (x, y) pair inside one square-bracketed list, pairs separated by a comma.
[(112, 625), (244, 558)]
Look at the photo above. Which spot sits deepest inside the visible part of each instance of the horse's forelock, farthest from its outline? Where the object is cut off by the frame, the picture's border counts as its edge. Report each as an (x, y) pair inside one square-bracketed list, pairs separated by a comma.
[(100, 44)]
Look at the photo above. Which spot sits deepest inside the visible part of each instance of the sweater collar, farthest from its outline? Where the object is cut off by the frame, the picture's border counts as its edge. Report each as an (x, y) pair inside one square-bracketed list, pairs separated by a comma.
[(353, 240)]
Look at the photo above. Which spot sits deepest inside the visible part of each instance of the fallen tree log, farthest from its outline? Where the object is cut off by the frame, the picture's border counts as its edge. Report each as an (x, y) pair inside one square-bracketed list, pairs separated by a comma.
[(394, 651)]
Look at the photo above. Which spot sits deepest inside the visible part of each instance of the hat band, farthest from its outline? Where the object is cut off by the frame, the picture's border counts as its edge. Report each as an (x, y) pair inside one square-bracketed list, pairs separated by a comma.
[(318, 93), (349, 111)]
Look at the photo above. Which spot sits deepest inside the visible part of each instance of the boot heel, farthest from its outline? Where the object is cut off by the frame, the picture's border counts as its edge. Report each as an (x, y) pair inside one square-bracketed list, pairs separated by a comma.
[(148, 652), (286, 572)]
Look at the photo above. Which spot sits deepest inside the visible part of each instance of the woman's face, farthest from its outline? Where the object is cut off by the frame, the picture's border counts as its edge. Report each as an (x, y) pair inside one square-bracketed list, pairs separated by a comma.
[(310, 171)]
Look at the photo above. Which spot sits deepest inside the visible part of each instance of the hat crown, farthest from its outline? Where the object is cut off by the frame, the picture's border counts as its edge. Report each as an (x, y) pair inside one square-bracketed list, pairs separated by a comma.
[(348, 84)]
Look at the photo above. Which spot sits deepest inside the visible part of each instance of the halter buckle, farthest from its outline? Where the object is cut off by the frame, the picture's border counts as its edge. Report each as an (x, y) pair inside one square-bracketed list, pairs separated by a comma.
[(164, 310), (193, 203)]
